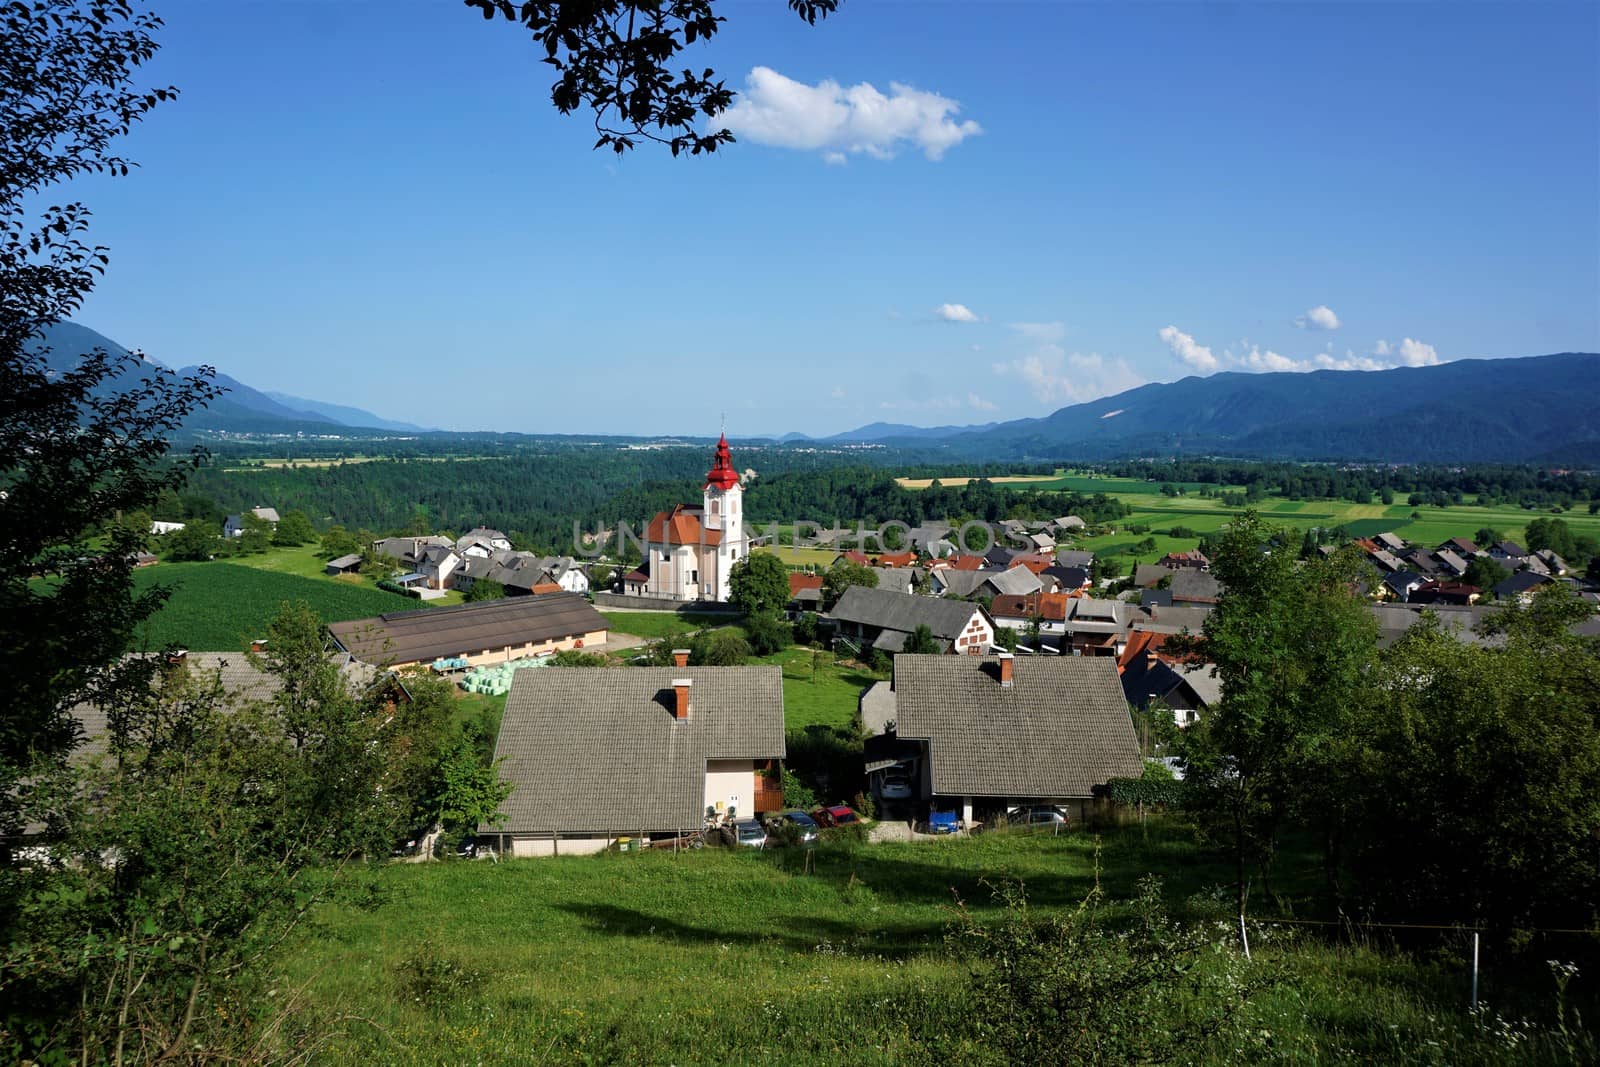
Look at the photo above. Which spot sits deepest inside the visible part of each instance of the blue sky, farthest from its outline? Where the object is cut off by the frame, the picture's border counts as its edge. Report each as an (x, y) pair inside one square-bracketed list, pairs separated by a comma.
[(375, 204)]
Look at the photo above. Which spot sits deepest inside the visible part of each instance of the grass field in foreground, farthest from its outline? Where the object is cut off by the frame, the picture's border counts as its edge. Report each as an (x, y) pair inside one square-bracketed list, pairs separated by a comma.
[(745, 957), (219, 607)]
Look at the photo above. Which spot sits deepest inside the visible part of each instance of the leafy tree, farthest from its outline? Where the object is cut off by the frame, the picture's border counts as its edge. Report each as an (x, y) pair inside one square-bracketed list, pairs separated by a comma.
[(1486, 536), (1480, 768), (230, 819), (1291, 643), (719, 648), (842, 576), (86, 439), (484, 589), (759, 583), (293, 530), (767, 633), (468, 793), (1006, 638), (602, 577), (1484, 573), (339, 542), (196, 541), (1552, 534), (805, 628), (616, 58), (922, 642)]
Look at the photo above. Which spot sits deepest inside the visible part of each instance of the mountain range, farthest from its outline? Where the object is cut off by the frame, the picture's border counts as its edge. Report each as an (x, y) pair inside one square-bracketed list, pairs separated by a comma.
[(1533, 409)]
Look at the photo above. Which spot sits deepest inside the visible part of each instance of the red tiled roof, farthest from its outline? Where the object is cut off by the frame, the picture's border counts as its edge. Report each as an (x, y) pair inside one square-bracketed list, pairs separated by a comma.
[(897, 559), (1051, 607), (964, 563), (680, 527), (1035, 563), (545, 587), (799, 581), (857, 557)]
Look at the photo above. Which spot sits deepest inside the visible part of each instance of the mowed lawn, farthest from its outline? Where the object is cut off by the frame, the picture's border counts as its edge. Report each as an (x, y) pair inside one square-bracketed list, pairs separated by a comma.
[(655, 624), (219, 607), (817, 689)]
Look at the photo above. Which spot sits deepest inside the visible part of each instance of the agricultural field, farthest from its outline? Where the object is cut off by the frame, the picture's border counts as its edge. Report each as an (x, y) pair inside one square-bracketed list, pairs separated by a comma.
[(218, 607), (740, 956), (809, 558), (1207, 514)]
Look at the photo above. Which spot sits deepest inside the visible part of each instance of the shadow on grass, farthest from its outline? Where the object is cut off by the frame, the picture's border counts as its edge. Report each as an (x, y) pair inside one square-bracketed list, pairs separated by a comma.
[(805, 934)]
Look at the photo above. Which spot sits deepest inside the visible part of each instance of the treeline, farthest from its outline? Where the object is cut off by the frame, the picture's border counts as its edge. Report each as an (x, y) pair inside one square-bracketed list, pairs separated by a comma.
[(536, 498), (1416, 486)]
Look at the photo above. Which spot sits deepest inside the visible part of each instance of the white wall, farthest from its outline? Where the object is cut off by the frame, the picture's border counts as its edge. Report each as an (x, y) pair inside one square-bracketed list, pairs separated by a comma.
[(727, 779)]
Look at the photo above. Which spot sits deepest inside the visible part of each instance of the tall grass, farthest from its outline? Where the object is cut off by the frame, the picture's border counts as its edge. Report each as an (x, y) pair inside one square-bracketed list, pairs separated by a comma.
[(742, 957)]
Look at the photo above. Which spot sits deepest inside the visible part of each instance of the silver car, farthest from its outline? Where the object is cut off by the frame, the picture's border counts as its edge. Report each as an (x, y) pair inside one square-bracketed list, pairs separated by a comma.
[(896, 787), (751, 833)]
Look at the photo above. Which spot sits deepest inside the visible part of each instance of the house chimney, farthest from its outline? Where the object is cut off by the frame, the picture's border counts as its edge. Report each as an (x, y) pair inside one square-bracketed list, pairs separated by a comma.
[(680, 657), (1005, 669), (680, 703)]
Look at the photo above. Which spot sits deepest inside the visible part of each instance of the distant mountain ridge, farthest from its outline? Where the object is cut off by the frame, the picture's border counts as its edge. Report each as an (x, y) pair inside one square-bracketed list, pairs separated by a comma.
[(242, 409), (1534, 408)]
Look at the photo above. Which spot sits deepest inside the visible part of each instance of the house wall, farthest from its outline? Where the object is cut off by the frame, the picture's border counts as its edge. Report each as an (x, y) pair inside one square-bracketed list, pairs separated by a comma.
[(976, 637), (731, 783), (531, 846), (507, 653)]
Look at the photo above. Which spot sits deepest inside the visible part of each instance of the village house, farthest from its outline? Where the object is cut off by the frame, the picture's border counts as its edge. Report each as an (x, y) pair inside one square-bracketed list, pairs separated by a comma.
[(234, 525), (1194, 559), (594, 755), (482, 542), (995, 731), (883, 620), (1150, 674)]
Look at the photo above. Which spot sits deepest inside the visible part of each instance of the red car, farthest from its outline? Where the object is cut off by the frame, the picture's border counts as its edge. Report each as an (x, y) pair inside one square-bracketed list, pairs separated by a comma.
[(837, 815)]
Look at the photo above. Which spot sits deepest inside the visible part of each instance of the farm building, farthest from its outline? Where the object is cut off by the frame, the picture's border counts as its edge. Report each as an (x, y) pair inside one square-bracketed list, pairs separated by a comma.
[(649, 750), (344, 564), (495, 631)]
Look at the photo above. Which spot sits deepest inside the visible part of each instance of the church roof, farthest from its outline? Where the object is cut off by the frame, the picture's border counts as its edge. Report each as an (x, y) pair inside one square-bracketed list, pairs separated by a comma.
[(722, 474), (680, 526)]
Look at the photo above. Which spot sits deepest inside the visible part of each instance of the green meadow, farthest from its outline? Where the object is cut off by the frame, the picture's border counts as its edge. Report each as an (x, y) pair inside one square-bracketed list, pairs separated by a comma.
[(725, 956)]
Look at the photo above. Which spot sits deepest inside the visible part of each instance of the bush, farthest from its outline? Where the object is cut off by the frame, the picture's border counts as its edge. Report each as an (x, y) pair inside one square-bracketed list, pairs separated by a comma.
[(767, 633), (1150, 791), (805, 629), (796, 794), (719, 648)]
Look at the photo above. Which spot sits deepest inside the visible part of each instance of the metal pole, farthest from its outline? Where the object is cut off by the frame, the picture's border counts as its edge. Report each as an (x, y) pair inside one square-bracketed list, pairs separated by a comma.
[(1474, 970), (1244, 937)]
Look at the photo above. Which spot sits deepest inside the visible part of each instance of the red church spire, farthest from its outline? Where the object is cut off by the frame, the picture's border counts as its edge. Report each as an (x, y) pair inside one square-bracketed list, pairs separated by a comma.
[(722, 474)]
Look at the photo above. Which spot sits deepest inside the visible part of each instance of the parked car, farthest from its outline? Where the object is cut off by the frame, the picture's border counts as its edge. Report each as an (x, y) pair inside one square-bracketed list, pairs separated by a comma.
[(896, 786), (1038, 815), (835, 815), (804, 825), (750, 832)]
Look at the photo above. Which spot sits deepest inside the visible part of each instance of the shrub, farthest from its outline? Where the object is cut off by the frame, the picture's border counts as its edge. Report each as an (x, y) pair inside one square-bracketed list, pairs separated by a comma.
[(767, 633)]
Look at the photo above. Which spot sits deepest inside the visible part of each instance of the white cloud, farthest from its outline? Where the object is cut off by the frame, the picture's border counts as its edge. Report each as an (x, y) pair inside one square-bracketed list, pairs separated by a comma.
[(1041, 331), (841, 121), (838, 392), (1320, 317), (1055, 377), (1183, 346), (1408, 353), (978, 402), (956, 313), (1252, 357), (835, 159)]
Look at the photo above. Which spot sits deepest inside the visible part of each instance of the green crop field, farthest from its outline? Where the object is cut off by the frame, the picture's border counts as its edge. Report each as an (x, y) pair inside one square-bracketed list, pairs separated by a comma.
[(726, 956), (222, 606)]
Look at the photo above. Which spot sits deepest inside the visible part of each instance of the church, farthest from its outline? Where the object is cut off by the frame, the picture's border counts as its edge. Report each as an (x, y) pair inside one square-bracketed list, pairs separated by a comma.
[(690, 551)]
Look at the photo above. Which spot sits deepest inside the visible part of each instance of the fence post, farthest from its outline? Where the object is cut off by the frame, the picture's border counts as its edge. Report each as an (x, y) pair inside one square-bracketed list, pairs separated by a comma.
[(1474, 970)]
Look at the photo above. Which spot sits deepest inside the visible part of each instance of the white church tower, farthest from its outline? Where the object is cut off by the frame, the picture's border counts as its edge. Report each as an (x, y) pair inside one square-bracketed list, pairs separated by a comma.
[(724, 513)]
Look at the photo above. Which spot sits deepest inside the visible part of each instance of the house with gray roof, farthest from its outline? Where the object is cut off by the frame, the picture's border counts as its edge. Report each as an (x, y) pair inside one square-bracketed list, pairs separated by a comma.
[(1195, 587), (1096, 627), (595, 754), (1016, 581), (998, 731), (883, 619), (952, 582), (1075, 557), (482, 541)]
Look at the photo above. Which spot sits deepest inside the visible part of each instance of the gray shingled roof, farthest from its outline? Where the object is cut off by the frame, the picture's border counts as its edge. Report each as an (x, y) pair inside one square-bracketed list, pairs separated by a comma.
[(414, 636), (1059, 730), (960, 583), (888, 610), (1017, 581), (1194, 585), (597, 750)]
